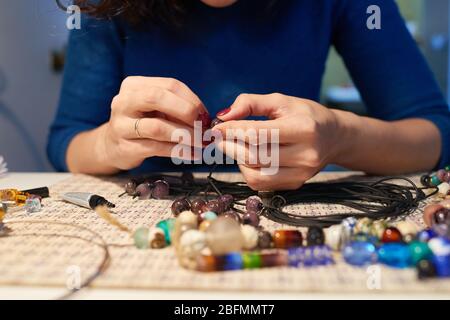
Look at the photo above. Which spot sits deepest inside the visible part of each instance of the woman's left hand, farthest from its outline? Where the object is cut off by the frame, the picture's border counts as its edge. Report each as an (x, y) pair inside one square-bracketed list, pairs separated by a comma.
[(310, 136)]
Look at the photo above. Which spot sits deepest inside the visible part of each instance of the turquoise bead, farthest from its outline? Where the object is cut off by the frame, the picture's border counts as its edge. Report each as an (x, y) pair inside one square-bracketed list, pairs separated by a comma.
[(209, 215), (167, 226), (395, 255), (435, 181), (141, 238), (419, 251), (447, 168), (359, 253)]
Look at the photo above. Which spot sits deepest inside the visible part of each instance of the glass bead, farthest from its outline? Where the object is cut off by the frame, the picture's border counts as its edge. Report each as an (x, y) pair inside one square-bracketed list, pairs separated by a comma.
[(184, 222), (231, 214), (407, 227), (33, 204), (198, 206), (442, 229), (143, 191), (224, 236), (333, 237), (425, 180), (377, 228), (435, 181), (315, 236), (208, 215), (442, 265), (227, 201), (215, 206), (425, 269), (130, 187), (274, 259), (426, 235), (363, 225), (253, 204), (161, 189), (348, 226), (252, 260), (158, 241), (395, 255), (408, 238), (250, 236), (284, 239), (251, 218), (440, 246), (322, 255), (296, 257), (180, 205), (447, 168), (191, 243), (441, 216), (167, 226), (265, 240), (419, 251), (391, 234), (444, 189), (310, 256), (364, 237), (233, 261), (208, 263), (441, 174), (204, 225), (359, 253), (141, 238)]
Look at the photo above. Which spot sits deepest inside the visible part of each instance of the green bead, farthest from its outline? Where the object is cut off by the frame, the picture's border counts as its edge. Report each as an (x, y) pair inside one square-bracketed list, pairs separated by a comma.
[(435, 181), (419, 251), (140, 237), (447, 168), (251, 260), (167, 226)]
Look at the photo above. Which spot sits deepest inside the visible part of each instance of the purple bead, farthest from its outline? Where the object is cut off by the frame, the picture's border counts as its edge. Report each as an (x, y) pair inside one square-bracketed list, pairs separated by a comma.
[(143, 191), (180, 205), (215, 206), (130, 187), (231, 214), (442, 216), (161, 189), (254, 204), (441, 174), (251, 218), (265, 240), (198, 206), (226, 200)]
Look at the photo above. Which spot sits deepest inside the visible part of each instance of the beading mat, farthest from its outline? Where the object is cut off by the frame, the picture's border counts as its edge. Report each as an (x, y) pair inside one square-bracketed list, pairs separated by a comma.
[(34, 256)]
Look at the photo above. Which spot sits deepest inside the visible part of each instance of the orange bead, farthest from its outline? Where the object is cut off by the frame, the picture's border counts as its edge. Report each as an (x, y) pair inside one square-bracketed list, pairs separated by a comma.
[(284, 239), (391, 234)]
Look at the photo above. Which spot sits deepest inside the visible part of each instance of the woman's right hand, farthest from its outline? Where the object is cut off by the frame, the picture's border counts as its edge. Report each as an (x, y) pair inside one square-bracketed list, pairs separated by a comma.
[(162, 104)]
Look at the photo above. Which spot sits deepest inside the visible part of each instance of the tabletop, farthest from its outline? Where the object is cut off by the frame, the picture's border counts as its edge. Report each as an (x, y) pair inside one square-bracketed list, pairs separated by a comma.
[(33, 180)]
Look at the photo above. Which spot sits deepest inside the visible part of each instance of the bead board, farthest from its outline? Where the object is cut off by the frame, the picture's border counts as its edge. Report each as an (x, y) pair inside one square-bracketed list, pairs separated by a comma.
[(29, 257)]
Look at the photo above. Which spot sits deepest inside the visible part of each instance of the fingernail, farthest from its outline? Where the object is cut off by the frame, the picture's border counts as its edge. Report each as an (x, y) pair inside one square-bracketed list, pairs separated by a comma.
[(223, 112)]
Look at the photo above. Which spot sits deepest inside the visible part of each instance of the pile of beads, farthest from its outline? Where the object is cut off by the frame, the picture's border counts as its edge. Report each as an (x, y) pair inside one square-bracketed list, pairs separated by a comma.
[(439, 179)]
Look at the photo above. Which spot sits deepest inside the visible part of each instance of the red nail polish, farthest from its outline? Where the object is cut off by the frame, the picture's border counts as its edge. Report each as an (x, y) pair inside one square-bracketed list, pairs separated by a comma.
[(223, 112)]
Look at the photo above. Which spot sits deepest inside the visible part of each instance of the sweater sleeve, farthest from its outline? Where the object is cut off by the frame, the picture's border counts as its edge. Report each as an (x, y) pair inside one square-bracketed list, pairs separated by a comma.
[(388, 68), (92, 77)]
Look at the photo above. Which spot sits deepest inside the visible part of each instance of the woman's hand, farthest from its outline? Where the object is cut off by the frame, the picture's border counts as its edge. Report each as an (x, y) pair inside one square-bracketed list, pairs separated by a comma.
[(162, 105), (309, 138)]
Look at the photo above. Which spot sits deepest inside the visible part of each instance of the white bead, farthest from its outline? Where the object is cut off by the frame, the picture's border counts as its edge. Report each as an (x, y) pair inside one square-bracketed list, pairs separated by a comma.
[(192, 242), (444, 188), (224, 236), (250, 235), (187, 217), (333, 237), (439, 247)]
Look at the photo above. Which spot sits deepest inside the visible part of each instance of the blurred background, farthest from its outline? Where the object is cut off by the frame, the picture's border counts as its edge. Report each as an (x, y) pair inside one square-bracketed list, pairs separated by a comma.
[(31, 71)]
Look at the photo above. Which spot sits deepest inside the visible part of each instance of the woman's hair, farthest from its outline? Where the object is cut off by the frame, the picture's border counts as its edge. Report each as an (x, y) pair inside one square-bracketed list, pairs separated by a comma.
[(171, 12)]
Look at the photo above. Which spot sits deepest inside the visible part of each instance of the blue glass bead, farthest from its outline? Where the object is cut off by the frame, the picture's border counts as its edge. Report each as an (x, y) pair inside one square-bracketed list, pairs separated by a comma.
[(442, 265), (310, 256), (296, 257), (395, 255), (233, 261), (322, 255), (364, 237), (426, 235), (359, 253)]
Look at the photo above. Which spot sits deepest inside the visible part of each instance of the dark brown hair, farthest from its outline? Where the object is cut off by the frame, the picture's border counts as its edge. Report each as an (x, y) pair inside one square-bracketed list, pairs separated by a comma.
[(171, 12)]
